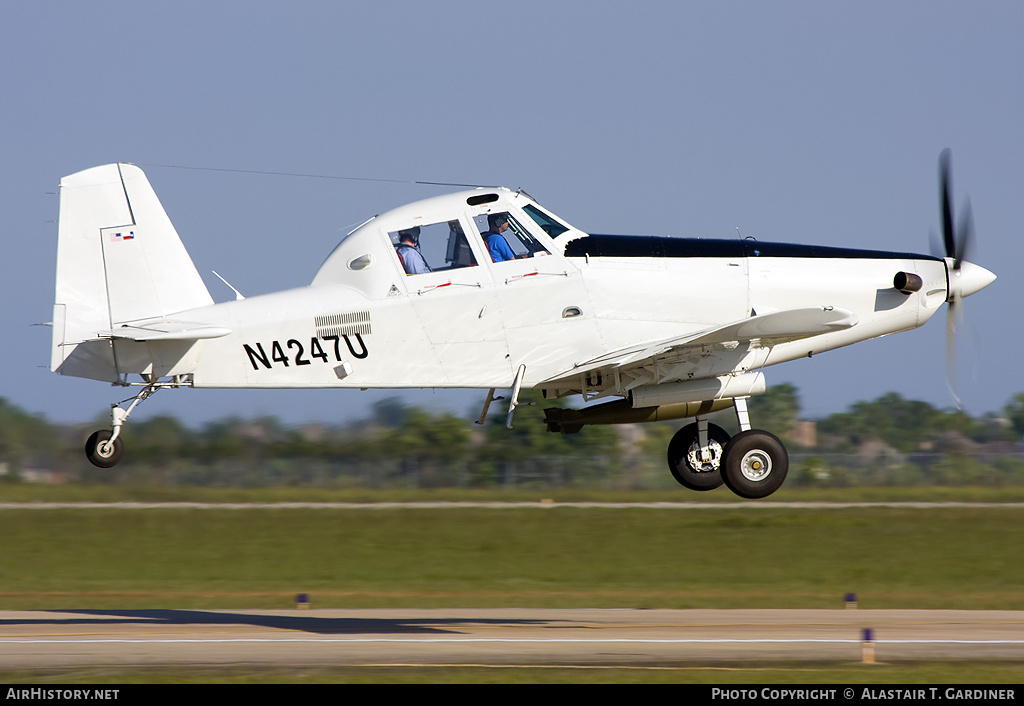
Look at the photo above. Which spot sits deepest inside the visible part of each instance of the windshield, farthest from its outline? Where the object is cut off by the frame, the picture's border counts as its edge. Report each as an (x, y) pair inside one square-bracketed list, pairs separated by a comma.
[(506, 242), (548, 224)]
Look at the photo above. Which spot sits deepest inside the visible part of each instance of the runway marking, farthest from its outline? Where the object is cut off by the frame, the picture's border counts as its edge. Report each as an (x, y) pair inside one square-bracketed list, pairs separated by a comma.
[(511, 640), (623, 666), (769, 505)]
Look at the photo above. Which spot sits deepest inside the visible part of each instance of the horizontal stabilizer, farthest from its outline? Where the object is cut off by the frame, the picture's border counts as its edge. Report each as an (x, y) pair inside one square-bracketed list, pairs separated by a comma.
[(166, 331)]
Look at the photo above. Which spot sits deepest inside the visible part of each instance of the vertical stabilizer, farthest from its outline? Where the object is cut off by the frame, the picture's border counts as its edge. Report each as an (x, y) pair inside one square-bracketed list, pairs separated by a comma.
[(119, 260)]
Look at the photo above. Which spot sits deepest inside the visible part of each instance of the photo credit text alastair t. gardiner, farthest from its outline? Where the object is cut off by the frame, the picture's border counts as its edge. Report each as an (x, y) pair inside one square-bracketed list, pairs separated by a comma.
[(878, 692)]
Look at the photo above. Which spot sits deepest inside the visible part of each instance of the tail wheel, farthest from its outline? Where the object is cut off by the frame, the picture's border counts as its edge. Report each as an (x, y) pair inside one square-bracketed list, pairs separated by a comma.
[(101, 454), (689, 467), (756, 464)]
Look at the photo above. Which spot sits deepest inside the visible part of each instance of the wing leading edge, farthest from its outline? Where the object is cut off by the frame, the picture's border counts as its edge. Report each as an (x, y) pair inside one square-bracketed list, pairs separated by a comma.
[(765, 330)]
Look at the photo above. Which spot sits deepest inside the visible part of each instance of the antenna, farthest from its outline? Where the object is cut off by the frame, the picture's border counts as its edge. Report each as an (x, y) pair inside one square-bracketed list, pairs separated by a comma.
[(238, 295)]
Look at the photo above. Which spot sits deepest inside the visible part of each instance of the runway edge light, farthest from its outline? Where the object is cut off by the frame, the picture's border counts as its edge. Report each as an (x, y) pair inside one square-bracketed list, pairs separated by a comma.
[(851, 600), (868, 647), (302, 601)]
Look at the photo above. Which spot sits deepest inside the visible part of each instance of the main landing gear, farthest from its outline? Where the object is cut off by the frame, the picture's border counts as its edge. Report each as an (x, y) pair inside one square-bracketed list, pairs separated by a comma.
[(752, 464)]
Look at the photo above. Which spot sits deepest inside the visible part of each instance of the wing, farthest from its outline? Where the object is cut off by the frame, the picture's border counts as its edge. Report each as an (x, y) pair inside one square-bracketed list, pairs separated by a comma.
[(764, 330)]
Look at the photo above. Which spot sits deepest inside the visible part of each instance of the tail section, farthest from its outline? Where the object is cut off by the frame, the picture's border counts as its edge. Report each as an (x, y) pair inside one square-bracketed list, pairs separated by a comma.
[(119, 261)]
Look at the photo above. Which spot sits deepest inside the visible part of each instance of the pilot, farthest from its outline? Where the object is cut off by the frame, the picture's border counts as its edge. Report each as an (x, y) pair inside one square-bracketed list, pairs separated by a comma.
[(409, 251), (497, 246)]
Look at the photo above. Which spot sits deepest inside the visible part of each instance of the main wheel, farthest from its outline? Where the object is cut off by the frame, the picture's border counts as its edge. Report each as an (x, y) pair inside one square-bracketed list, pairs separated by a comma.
[(756, 464), (685, 461), (98, 454)]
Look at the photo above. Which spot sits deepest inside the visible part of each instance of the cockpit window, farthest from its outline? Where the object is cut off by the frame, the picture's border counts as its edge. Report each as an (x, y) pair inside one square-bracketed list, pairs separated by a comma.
[(546, 222), (432, 248), (506, 238)]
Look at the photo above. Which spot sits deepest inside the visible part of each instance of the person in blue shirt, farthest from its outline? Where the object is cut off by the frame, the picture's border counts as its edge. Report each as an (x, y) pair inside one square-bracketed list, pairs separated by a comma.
[(497, 246), (409, 252)]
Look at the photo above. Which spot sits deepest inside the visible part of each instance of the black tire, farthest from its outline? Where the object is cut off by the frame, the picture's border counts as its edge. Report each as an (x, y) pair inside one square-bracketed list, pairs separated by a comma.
[(756, 464), (94, 450), (682, 460)]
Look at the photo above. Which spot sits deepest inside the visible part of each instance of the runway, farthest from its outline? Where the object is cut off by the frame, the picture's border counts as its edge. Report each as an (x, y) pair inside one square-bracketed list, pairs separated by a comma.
[(524, 636)]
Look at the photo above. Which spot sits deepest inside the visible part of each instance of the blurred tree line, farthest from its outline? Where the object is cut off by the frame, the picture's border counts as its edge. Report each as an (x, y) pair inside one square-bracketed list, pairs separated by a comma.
[(888, 441)]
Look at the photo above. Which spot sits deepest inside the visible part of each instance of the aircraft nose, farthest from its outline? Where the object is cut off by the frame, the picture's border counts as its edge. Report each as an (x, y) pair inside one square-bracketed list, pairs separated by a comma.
[(968, 280)]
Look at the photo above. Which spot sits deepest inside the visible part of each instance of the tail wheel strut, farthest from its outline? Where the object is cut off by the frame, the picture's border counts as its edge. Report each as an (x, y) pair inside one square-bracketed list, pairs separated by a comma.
[(104, 448)]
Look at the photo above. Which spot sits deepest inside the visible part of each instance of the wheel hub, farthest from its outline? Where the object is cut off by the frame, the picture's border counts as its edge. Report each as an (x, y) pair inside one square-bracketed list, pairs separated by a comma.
[(756, 465), (706, 462)]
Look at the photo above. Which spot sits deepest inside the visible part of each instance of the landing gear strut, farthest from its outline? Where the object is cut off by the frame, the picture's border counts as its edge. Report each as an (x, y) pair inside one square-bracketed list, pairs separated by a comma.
[(752, 464)]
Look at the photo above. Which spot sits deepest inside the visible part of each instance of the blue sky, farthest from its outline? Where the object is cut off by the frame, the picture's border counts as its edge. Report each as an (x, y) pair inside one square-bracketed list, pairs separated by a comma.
[(807, 122)]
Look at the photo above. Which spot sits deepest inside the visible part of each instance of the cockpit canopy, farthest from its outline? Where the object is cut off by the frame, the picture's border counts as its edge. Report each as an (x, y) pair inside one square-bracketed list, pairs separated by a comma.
[(451, 232)]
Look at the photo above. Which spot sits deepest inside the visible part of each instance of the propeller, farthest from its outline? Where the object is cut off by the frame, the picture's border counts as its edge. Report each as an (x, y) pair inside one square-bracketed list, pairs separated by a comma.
[(964, 278)]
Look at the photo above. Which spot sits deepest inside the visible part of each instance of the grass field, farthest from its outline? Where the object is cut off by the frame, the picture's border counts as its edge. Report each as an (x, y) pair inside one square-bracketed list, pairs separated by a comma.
[(72, 492), (471, 557)]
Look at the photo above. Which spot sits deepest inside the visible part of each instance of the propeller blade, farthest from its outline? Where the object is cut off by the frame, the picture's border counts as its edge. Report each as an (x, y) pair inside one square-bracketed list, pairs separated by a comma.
[(951, 378), (945, 187), (965, 236)]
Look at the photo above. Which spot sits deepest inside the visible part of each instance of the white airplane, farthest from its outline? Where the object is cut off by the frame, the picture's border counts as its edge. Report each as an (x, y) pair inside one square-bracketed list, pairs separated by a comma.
[(487, 289)]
